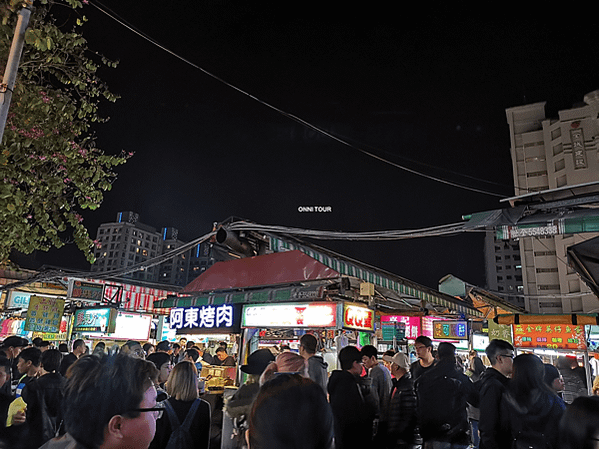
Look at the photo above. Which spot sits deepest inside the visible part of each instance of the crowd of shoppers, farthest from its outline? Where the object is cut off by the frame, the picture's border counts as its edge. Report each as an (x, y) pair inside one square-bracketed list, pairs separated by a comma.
[(114, 399)]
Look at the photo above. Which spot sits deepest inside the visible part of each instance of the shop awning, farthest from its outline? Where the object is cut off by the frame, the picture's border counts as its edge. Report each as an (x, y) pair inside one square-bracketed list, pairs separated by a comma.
[(270, 269), (574, 319)]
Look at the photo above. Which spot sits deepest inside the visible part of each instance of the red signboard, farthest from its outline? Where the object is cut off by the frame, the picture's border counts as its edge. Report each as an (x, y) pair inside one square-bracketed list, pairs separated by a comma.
[(359, 318), (551, 336)]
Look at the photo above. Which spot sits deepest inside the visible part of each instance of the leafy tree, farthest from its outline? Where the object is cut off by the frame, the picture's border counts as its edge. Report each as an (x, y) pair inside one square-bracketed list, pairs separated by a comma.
[(50, 167)]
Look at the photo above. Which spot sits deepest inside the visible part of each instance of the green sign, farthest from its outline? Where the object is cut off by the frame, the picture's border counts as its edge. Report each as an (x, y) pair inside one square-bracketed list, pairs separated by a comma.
[(393, 329)]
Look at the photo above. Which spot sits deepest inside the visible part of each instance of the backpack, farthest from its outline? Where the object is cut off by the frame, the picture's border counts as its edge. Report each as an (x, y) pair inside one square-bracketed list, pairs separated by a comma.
[(180, 437), (441, 407)]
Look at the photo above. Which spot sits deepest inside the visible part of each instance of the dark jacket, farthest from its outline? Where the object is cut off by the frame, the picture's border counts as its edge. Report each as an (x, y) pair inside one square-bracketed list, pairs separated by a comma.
[(44, 408), (541, 415), (200, 427), (492, 387), (442, 394), (354, 409), (9, 436), (401, 417), (66, 441)]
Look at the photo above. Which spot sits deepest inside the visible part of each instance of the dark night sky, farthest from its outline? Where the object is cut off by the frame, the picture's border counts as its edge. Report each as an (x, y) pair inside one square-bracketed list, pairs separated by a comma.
[(426, 87)]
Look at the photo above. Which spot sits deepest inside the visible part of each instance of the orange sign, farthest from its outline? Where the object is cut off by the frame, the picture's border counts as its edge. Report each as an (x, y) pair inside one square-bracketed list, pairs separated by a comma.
[(551, 336)]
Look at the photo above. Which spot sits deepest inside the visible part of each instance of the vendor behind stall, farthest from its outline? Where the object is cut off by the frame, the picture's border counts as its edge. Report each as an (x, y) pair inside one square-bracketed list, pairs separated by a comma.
[(222, 358)]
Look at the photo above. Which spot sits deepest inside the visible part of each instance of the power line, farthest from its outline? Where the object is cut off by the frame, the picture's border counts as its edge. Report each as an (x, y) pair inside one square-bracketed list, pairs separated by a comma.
[(295, 118)]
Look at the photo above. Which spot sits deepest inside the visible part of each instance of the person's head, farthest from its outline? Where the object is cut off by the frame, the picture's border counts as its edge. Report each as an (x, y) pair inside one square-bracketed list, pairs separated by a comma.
[(579, 426), (162, 361), (221, 353), (29, 360), (45, 345), (5, 365), (37, 341), (176, 348), (350, 360), (192, 355), (50, 360), (62, 347), (399, 364), (189, 344), (386, 362), (290, 412), (164, 346), (553, 378), (78, 347), (472, 354), (132, 348), (111, 401), (183, 343), (308, 345), (369, 356), (12, 346), (182, 383), (566, 363), (501, 355), (424, 348), (528, 377), (148, 348), (258, 361), (446, 352), (285, 362)]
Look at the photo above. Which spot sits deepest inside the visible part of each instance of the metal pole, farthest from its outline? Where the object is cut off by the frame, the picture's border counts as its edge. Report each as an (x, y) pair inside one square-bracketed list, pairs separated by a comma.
[(10, 73)]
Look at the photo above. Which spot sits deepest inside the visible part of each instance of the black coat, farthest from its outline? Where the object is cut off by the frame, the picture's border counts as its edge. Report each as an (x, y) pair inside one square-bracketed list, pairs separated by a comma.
[(199, 430), (493, 385), (402, 417), (44, 408), (542, 414), (353, 412)]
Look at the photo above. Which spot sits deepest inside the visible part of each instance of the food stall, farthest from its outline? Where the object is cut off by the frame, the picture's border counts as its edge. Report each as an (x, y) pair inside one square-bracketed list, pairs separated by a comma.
[(550, 336)]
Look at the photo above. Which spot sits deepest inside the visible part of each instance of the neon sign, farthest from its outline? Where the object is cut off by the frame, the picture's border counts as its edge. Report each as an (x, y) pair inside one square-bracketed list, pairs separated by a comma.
[(205, 317), (296, 315), (359, 318), (450, 330)]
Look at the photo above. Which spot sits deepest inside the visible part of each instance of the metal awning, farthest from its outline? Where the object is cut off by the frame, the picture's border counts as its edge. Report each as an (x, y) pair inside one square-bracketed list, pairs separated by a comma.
[(584, 257)]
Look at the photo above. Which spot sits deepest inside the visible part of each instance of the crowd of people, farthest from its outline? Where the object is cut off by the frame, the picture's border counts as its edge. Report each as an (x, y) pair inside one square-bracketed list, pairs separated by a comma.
[(140, 397)]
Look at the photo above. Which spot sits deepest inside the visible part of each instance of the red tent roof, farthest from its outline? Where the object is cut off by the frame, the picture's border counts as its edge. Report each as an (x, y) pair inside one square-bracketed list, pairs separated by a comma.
[(270, 269)]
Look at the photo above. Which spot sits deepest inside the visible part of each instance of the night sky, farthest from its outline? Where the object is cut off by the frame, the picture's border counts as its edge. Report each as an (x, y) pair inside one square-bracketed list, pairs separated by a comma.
[(425, 87)]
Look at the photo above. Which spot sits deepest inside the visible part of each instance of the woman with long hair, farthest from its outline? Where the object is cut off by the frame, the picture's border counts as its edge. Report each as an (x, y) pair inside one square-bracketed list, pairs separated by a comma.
[(530, 408), (182, 387)]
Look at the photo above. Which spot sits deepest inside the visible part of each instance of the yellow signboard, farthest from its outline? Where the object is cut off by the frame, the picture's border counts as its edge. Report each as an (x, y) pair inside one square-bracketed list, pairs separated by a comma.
[(44, 314)]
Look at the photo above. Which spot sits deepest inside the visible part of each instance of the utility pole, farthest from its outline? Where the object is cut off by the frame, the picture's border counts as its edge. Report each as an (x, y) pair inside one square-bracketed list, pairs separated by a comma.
[(12, 65)]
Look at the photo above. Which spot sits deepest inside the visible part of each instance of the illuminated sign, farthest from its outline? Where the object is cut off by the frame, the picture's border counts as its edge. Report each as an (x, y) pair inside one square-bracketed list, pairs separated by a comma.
[(358, 318), (500, 332), (18, 300), (551, 336), (87, 291), (412, 324), (296, 315), (95, 320), (450, 330), (44, 314), (203, 317)]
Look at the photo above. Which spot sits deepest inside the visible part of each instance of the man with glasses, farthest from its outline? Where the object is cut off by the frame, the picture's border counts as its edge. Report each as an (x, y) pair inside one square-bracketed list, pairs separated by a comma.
[(424, 352), (110, 403), (493, 384)]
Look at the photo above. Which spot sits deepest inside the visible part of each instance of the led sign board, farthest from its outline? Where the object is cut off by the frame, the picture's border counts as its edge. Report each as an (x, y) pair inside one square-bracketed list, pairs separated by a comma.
[(95, 320), (224, 317), (550, 336), (358, 317), (450, 330), (295, 315)]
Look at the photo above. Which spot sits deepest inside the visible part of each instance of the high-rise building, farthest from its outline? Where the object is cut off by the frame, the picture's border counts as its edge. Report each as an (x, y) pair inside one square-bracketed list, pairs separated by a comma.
[(549, 154), (128, 242)]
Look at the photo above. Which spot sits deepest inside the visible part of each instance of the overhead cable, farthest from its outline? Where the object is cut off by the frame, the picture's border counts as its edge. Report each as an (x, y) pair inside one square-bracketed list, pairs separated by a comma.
[(299, 120)]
